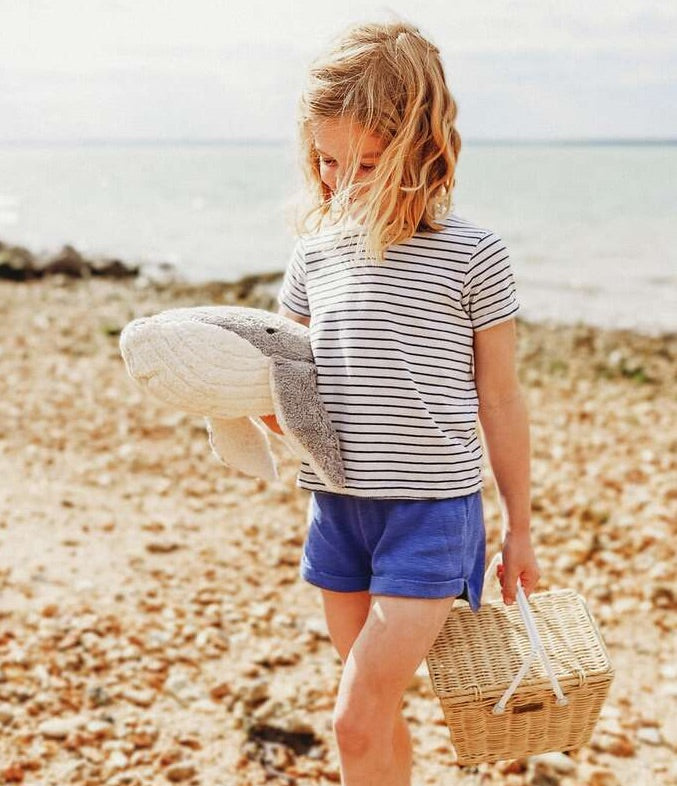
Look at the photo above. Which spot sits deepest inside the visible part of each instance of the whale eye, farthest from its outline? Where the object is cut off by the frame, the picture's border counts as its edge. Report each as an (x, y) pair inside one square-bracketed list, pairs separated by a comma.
[(271, 330)]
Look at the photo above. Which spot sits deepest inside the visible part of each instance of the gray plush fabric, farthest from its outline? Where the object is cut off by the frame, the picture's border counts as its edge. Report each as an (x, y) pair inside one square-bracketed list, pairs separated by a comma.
[(294, 387), (233, 364)]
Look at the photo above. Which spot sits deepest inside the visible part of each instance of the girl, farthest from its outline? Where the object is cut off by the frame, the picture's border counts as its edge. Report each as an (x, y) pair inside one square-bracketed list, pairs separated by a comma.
[(411, 310)]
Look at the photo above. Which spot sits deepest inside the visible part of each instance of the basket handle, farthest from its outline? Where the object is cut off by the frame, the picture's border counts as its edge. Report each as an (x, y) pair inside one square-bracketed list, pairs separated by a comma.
[(537, 650)]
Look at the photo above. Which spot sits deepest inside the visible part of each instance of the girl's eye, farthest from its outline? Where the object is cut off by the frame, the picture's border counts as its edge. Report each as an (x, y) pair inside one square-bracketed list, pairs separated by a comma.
[(331, 162)]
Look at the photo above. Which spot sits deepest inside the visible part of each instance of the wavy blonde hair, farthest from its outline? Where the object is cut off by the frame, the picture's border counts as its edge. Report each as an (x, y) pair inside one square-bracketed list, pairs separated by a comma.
[(389, 79)]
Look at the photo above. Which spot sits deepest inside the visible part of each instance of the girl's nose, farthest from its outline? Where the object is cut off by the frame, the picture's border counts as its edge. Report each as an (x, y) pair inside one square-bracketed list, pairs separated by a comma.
[(340, 182)]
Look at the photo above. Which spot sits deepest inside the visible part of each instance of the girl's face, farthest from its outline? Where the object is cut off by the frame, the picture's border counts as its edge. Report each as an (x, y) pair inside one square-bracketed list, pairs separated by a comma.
[(339, 143)]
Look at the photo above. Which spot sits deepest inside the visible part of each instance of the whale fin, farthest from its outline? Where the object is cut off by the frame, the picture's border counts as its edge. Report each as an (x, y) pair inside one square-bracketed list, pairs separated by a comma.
[(242, 444), (303, 418)]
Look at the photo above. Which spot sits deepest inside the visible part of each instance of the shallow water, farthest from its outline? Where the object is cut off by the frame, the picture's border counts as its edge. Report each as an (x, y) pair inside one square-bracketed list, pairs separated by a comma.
[(590, 227)]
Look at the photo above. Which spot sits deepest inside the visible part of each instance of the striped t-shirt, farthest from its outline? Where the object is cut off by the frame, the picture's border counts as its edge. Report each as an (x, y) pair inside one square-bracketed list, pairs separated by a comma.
[(393, 347)]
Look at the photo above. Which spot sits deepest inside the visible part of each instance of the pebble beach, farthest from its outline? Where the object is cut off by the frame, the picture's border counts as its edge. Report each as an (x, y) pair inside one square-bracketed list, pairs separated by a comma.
[(153, 627)]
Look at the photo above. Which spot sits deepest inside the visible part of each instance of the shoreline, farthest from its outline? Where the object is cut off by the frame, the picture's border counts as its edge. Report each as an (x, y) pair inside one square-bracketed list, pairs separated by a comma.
[(19, 265)]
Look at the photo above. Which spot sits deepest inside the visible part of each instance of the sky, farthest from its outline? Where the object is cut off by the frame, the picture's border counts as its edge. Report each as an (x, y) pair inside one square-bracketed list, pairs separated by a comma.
[(519, 70)]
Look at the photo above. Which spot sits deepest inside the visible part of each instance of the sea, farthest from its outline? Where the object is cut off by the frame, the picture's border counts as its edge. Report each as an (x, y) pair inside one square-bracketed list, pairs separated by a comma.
[(591, 227)]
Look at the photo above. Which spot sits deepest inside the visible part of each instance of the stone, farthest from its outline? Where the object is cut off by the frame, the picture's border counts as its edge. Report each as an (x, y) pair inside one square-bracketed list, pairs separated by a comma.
[(59, 728), (142, 698), (669, 730), (184, 689), (7, 713), (116, 761), (650, 735), (254, 693), (617, 745), (181, 771), (219, 691), (68, 262), (17, 264), (558, 762), (602, 778), (162, 546), (99, 728), (669, 689)]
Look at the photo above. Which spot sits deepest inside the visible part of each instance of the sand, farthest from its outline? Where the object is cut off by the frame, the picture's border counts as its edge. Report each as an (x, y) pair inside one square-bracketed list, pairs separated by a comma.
[(153, 628)]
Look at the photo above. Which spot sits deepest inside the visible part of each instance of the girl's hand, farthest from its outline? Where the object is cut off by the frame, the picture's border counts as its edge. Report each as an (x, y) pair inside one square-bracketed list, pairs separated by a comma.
[(519, 561)]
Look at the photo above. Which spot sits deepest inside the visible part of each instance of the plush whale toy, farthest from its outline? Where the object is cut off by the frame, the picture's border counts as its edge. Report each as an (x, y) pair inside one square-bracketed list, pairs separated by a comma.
[(232, 365)]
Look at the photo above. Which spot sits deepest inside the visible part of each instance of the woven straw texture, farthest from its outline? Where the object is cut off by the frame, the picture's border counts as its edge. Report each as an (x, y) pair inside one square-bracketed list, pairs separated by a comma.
[(476, 656)]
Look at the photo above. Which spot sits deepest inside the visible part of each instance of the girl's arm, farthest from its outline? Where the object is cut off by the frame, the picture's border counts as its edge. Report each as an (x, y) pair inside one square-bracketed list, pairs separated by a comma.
[(271, 420), (505, 423)]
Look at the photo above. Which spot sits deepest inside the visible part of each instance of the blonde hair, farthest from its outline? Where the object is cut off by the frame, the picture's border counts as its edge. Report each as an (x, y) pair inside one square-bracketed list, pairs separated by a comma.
[(389, 79)]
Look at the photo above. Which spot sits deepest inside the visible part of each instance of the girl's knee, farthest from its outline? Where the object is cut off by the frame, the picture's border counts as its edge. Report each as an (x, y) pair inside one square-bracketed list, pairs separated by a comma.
[(361, 737), (353, 736), (364, 728)]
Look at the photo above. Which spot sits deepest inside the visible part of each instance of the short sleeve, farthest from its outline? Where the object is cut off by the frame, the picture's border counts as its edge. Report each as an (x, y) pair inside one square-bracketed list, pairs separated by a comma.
[(292, 294), (489, 294)]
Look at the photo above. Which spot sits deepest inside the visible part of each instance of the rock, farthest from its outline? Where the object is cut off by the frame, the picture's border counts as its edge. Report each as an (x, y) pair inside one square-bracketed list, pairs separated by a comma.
[(650, 735), (113, 268), (558, 762), (668, 671), (162, 546), (123, 779), (669, 730), (513, 767), (59, 728), (184, 689), (317, 627), (190, 740), (622, 746), (617, 745), (669, 688), (610, 726), (181, 771), (98, 727), (13, 774), (145, 737), (7, 712), (142, 698), (204, 705), (294, 723), (254, 693), (539, 778), (602, 778), (220, 690), (17, 263), (68, 262), (98, 696), (115, 762)]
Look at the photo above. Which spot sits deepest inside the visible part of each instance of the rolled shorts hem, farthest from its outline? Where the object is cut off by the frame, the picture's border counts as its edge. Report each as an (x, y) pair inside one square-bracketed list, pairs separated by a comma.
[(407, 588), (410, 588), (336, 583)]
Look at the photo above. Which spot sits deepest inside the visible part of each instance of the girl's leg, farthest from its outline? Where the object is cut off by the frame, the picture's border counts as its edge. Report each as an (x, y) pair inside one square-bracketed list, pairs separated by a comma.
[(393, 641), (346, 613)]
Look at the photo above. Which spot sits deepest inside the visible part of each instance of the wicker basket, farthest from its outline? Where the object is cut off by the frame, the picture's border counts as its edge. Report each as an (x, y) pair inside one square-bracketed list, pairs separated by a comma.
[(507, 691)]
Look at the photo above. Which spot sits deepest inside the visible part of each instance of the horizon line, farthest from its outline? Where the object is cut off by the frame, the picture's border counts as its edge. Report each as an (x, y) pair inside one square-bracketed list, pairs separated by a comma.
[(239, 141)]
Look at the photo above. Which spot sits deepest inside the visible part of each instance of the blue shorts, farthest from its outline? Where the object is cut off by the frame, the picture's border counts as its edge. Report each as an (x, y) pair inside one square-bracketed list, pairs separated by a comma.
[(422, 548)]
